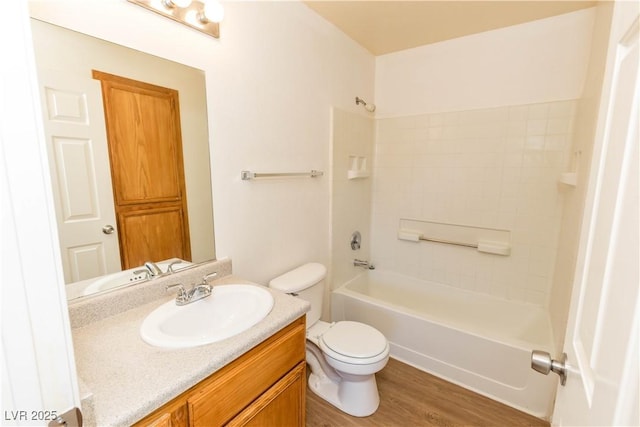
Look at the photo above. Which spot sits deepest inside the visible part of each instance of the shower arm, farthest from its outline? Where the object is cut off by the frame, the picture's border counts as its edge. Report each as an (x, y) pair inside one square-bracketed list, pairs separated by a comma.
[(370, 108)]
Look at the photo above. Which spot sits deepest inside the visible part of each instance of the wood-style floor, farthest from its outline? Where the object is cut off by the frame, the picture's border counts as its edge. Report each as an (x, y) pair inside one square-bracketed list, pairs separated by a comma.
[(410, 397)]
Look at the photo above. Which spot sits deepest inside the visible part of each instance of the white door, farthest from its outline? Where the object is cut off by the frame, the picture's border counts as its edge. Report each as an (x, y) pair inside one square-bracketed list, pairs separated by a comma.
[(602, 336), (78, 153), (38, 376)]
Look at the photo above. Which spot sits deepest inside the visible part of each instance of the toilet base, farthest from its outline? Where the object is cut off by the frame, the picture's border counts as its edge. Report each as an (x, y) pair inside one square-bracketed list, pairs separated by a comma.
[(358, 397)]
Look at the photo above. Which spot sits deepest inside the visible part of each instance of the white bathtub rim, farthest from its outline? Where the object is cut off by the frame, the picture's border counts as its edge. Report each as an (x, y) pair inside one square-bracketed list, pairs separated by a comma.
[(512, 342), (441, 287)]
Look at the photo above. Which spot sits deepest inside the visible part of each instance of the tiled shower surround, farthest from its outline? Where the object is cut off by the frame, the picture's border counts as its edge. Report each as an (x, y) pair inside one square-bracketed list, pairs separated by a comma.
[(495, 168)]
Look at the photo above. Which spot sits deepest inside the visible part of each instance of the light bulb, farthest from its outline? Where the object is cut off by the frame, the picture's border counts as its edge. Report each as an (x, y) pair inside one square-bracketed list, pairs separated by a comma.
[(213, 11)]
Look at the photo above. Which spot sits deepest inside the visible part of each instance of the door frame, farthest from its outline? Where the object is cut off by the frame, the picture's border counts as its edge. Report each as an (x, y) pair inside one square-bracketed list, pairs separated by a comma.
[(38, 364)]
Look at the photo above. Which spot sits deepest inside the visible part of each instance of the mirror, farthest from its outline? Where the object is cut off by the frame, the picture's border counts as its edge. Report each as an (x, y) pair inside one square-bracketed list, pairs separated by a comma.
[(75, 130)]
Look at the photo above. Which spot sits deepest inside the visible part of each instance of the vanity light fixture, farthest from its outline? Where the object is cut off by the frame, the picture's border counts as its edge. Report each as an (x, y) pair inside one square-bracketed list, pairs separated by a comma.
[(201, 15), (176, 3)]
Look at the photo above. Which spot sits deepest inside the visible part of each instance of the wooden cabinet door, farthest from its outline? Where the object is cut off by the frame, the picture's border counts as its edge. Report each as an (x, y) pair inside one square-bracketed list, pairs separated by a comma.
[(266, 386), (283, 405), (174, 414), (147, 171), (240, 383)]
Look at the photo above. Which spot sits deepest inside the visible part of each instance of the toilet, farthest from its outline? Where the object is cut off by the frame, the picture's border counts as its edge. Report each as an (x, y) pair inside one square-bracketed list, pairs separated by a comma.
[(343, 357)]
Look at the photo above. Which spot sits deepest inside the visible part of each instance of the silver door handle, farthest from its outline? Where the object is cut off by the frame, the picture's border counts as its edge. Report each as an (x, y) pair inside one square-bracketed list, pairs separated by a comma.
[(108, 229), (542, 362), (71, 418)]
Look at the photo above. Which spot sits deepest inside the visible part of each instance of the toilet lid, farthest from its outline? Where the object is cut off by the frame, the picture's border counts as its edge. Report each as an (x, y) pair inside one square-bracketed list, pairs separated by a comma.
[(354, 339)]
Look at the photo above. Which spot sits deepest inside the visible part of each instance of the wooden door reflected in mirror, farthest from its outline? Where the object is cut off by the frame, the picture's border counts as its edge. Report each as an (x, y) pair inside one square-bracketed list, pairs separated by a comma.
[(145, 152)]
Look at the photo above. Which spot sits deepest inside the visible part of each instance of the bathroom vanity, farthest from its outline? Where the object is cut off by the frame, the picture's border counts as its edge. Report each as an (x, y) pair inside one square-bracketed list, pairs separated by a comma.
[(265, 386), (256, 377)]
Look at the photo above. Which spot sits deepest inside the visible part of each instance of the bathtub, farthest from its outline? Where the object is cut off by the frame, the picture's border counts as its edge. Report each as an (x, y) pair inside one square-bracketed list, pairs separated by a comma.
[(479, 342)]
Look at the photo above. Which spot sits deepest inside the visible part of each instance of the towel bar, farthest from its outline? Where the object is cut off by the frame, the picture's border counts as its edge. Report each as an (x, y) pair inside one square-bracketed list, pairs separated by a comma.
[(248, 175)]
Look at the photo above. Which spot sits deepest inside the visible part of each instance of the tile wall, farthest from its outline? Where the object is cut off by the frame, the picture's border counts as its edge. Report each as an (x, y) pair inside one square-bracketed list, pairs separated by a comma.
[(495, 168)]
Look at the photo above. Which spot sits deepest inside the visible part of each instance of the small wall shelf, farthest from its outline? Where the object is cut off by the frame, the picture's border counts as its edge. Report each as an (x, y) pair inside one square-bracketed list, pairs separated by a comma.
[(569, 178), (357, 167), (351, 174)]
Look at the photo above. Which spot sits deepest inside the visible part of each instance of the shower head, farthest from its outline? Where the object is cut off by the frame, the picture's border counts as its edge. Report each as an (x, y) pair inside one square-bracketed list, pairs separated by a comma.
[(370, 108)]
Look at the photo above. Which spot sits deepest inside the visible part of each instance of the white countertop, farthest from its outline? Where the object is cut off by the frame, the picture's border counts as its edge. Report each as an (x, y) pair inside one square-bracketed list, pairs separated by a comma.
[(128, 378)]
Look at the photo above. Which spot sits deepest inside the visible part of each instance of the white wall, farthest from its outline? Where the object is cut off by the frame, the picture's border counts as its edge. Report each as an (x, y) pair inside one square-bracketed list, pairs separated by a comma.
[(287, 68), (540, 61), (585, 128), (352, 150), (272, 78), (476, 131)]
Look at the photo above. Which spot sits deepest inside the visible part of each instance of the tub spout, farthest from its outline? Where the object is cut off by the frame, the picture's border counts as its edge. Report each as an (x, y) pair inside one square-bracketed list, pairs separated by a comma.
[(362, 263)]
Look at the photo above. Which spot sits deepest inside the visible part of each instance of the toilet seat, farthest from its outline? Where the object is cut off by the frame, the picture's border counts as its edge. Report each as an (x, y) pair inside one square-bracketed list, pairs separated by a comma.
[(354, 343)]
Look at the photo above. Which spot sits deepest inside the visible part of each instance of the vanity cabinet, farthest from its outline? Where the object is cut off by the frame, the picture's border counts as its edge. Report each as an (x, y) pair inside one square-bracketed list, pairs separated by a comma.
[(265, 386)]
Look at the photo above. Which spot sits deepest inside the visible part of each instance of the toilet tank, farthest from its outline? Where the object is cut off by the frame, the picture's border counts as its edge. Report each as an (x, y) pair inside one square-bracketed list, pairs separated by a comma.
[(306, 282)]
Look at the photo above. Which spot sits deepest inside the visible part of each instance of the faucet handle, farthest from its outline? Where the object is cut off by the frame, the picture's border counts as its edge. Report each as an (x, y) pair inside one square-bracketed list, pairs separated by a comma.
[(205, 279), (183, 296), (170, 267), (181, 290)]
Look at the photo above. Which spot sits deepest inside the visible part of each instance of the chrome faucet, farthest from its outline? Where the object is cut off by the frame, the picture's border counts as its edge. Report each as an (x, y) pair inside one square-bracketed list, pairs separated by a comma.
[(170, 267), (154, 270), (183, 297), (362, 263), (198, 292)]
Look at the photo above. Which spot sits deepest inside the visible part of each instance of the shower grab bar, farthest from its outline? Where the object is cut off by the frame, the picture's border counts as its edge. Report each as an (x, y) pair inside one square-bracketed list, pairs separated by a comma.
[(486, 246), (248, 175), (448, 242)]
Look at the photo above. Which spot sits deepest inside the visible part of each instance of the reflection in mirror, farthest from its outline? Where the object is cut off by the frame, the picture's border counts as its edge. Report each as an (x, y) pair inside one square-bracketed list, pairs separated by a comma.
[(91, 222), (131, 276)]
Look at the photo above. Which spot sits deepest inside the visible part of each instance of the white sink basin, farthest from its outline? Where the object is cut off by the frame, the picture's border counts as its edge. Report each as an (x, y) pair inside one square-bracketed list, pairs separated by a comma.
[(125, 277), (113, 280), (228, 311)]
